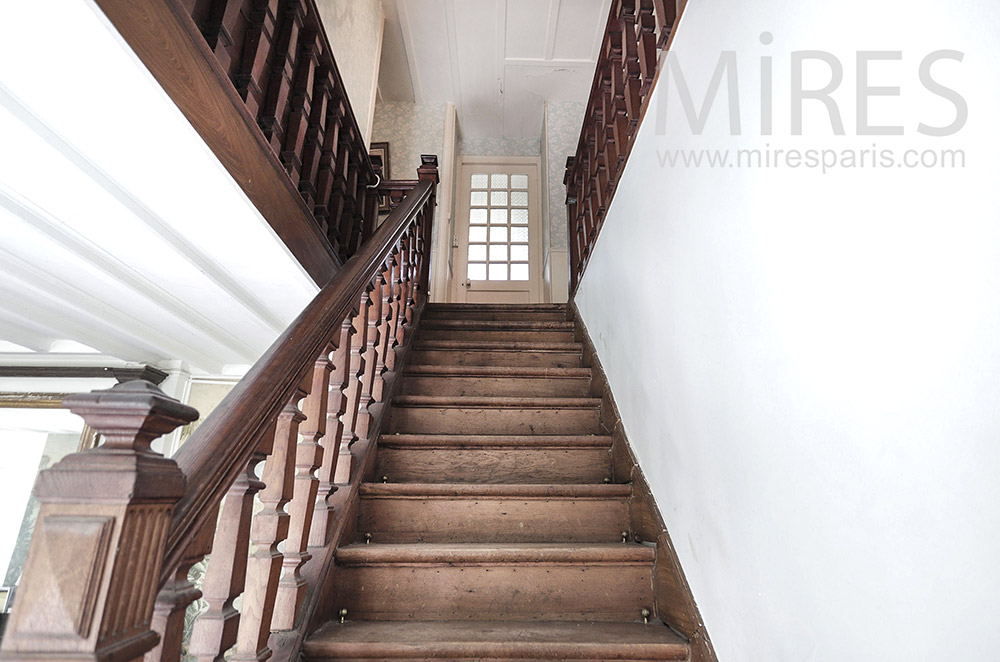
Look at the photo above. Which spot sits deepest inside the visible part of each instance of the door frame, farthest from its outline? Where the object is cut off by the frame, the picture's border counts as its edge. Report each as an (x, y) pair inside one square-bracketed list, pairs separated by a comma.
[(460, 239)]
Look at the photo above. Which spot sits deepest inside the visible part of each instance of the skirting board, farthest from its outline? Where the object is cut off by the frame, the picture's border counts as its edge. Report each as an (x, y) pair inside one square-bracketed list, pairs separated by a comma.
[(674, 603)]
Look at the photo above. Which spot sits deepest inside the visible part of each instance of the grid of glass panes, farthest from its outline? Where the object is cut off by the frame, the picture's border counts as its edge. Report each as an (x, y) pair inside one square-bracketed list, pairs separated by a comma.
[(498, 227)]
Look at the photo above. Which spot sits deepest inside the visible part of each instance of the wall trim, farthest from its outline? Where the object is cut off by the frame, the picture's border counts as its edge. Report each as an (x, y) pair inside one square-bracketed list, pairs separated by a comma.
[(674, 603)]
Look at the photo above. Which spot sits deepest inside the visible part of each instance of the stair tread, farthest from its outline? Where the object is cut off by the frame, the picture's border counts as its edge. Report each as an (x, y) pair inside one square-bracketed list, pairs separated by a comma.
[(497, 371), (544, 307), (499, 325), (497, 401), (498, 553), (553, 640), (521, 490), (410, 440), (498, 345)]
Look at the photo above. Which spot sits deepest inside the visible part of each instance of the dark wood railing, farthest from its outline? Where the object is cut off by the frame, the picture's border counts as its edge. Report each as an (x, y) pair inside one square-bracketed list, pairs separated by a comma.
[(258, 80), (120, 526), (637, 31)]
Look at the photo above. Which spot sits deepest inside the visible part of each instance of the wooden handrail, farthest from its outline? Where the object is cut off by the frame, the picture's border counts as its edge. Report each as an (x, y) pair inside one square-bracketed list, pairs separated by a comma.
[(222, 445), (120, 526), (637, 30)]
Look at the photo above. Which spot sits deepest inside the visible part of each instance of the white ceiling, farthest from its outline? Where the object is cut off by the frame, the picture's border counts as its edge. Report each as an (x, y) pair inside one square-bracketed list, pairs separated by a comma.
[(496, 60), (119, 229)]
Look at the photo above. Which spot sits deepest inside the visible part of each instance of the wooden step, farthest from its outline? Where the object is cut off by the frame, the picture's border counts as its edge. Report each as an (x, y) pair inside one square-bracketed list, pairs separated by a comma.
[(440, 513), (430, 458), (563, 582), (430, 414), (496, 380), (418, 641), (499, 312), (473, 352), (497, 330)]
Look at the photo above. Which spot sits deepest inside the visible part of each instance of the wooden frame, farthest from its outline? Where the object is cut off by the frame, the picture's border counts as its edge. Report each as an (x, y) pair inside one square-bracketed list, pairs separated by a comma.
[(381, 149)]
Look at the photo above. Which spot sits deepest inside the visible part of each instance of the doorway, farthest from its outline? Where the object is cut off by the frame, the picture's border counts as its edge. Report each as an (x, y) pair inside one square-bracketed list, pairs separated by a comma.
[(498, 231)]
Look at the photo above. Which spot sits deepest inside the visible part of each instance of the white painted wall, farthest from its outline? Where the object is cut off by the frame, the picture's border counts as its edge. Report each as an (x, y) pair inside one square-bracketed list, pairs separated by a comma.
[(808, 365)]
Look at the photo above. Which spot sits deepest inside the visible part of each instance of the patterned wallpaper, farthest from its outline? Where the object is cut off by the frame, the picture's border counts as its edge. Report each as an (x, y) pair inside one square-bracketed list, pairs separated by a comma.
[(354, 28), (411, 129), (563, 121)]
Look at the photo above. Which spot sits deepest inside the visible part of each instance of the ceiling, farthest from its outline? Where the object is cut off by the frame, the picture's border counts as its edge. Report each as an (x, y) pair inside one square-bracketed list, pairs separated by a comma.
[(122, 234), (496, 60)]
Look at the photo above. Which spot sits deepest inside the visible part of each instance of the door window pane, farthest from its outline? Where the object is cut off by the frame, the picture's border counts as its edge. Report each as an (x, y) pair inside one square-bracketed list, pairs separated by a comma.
[(519, 272), (498, 217), (519, 216), (498, 271), (477, 216), (519, 198), (500, 234), (477, 252), (498, 198), (477, 271), (498, 180), (519, 252), (498, 252), (518, 181), (519, 234), (479, 180), (477, 234)]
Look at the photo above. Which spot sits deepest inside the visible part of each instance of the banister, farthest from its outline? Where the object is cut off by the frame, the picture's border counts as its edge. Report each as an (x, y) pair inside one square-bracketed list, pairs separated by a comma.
[(637, 30), (209, 459)]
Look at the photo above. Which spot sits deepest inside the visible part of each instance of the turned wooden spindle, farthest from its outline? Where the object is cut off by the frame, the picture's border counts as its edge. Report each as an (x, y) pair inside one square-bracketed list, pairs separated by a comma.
[(215, 629), (352, 392), (308, 458), (371, 372), (91, 577), (269, 528)]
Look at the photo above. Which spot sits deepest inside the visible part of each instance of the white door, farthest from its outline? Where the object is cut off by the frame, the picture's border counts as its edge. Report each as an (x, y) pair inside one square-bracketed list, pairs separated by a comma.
[(499, 251)]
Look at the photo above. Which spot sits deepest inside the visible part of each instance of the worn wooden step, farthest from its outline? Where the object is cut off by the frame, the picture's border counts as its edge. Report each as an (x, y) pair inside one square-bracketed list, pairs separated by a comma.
[(497, 330), (565, 582), (434, 512), (431, 414), (430, 458), (476, 352), (495, 380), (418, 641), (500, 312)]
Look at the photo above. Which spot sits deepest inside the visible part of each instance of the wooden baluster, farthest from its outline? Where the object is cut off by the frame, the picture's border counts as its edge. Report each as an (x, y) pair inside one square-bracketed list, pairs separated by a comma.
[(173, 600), (398, 305), (632, 76), (406, 298), (371, 373), (300, 106), (343, 193), (647, 46), (269, 528), (325, 178), (308, 458), (90, 579), (215, 629), (252, 80), (322, 524), (283, 62), (345, 465), (312, 148), (383, 348), (224, 30), (666, 16)]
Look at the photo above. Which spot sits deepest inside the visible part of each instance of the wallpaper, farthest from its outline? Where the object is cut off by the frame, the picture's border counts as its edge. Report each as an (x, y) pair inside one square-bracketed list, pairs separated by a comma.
[(563, 121), (411, 129), (498, 146), (354, 28)]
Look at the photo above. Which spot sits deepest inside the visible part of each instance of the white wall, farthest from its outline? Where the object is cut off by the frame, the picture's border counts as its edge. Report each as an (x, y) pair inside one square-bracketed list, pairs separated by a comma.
[(808, 364), (354, 28)]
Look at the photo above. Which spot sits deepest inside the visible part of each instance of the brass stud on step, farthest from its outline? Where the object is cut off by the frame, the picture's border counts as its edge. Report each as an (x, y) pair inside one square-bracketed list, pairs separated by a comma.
[(607, 480), (385, 479), (624, 537), (343, 615), (644, 613), (368, 538)]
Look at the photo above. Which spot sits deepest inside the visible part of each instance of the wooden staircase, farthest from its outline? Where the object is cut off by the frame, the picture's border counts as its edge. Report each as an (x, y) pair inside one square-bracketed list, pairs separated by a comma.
[(492, 529)]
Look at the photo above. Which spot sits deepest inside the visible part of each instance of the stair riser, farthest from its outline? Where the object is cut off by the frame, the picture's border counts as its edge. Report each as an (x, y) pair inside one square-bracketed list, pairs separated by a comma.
[(476, 420), (486, 465), (447, 520), (562, 592), (505, 335), (500, 386), (496, 358)]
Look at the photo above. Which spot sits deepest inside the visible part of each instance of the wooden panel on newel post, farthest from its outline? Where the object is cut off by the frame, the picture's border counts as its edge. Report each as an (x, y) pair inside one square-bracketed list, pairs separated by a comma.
[(91, 576)]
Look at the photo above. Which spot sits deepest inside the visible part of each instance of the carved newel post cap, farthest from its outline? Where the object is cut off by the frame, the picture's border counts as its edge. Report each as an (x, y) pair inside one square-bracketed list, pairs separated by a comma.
[(428, 167), (129, 417)]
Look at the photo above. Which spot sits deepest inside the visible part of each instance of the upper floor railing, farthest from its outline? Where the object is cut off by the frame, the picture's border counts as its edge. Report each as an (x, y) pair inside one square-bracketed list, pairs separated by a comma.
[(258, 80), (637, 31), (120, 526)]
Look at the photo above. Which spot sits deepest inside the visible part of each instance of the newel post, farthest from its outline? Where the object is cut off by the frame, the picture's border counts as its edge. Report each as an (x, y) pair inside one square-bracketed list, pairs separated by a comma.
[(93, 567), (428, 170)]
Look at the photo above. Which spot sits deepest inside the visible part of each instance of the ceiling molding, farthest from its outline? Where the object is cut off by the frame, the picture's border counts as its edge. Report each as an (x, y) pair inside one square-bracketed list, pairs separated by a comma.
[(550, 28), (407, 30)]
